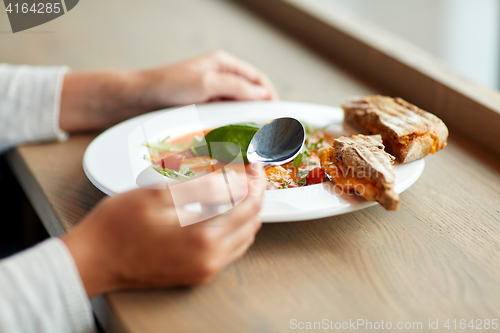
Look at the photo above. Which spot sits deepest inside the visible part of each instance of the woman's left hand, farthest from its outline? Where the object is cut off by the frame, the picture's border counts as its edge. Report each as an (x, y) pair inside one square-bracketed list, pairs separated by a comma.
[(96, 100)]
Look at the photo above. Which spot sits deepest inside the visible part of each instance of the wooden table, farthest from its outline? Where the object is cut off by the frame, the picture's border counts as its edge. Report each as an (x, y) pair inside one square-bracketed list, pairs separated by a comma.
[(436, 258)]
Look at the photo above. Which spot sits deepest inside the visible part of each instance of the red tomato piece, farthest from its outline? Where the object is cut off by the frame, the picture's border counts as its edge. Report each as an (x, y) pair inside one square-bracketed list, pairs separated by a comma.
[(315, 176), (172, 162)]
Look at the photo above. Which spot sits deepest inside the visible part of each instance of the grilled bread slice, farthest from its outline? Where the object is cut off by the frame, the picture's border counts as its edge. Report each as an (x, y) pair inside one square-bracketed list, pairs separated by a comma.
[(408, 132), (360, 164)]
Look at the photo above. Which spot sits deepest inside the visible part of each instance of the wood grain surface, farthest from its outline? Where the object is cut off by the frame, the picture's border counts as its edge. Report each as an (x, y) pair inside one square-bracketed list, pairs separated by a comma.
[(436, 258)]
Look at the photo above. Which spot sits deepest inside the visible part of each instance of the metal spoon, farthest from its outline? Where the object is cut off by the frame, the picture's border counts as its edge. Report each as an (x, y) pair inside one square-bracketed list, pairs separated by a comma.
[(277, 142)]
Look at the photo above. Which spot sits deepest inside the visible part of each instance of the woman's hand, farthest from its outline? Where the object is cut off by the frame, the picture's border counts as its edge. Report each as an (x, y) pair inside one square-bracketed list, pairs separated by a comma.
[(211, 77), (134, 240), (92, 100)]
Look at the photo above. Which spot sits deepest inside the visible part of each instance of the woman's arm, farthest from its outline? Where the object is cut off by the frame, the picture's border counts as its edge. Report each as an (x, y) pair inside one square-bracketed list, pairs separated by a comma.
[(131, 240), (134, 240), (93, 100), (43, 103), (29, 104), (41, 291)]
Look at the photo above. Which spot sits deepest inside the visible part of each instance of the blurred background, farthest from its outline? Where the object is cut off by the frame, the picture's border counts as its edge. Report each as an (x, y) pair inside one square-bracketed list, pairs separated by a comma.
[(465, 34)]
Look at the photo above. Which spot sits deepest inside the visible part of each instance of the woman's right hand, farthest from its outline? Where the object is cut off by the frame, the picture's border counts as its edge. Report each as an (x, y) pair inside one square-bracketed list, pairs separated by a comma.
[(134, 240)]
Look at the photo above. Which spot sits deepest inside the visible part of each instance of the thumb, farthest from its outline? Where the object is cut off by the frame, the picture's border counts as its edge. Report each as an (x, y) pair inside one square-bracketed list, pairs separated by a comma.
[(256, 179), (230, 86)]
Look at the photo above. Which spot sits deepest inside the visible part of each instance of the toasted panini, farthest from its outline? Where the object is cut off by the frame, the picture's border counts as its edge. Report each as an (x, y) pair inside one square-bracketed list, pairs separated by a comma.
[(408, 132), (360, 164)]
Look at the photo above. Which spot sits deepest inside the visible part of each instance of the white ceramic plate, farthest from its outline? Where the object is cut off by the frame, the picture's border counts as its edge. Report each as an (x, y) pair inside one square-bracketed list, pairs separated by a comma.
[(109, 163)]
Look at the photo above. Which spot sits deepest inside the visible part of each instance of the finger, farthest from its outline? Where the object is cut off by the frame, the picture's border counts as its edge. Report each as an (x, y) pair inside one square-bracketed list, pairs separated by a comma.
[(160, 198), (242, 234), (212, 192), (219, 199), (244, 244), (239, 252), (248, 208), (256, 180), (210, 189), (168, 216), (231, 64), (231, 86)]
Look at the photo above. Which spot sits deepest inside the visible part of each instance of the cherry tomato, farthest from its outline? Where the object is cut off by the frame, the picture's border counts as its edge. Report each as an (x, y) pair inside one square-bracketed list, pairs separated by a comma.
[(315, 176), (172, 162)]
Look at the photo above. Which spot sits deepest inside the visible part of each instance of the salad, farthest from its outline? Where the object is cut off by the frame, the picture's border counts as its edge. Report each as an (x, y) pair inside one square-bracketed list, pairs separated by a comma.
[(184, 157)]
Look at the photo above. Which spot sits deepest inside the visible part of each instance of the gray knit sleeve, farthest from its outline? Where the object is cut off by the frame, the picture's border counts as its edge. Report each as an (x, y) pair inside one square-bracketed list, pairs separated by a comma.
[(41, 291), (30, 100)]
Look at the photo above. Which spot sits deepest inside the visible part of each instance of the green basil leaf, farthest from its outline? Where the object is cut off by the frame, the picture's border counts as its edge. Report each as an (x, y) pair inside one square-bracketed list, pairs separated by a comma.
[(236, 134)]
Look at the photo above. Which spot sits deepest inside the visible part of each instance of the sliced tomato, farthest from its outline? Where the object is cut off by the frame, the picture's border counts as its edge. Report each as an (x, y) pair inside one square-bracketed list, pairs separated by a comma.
[(172, 162), (315, 176)]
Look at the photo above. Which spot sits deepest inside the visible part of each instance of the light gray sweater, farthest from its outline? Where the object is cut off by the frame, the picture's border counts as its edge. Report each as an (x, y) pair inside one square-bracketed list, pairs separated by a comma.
[(40, 288)]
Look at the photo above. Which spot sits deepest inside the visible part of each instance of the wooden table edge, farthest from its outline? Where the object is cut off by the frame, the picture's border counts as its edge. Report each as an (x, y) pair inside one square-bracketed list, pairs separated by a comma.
[(35, 193)]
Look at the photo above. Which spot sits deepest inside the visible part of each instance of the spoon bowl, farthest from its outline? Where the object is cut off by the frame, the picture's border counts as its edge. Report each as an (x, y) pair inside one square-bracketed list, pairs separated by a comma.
[(277, 142)]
